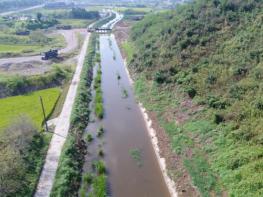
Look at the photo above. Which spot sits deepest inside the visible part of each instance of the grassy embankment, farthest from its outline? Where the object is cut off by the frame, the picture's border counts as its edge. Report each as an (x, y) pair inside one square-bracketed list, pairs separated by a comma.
[(68, 176), (129, 50), (16, 85), (199, 69)]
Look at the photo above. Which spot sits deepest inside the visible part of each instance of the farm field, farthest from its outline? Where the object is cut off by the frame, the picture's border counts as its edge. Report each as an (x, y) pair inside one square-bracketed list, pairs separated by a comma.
[(75, 23), (11, 45), (18, 48), (28, 105)]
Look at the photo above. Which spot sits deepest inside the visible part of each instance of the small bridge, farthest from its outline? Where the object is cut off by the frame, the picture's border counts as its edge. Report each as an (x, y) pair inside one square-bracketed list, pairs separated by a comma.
[(101, 30)]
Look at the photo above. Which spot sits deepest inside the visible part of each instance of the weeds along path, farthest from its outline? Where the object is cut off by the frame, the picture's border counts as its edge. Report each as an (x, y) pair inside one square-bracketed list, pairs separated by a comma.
[(61, 131)]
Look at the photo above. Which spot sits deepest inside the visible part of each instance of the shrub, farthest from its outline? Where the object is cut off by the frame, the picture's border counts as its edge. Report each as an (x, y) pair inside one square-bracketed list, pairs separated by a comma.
[(191, 92), (89, 138), (100, 167), (99, 110), (87, 178), (22, 150), (217, 103), (259, 104), (183, 78), (101, 153), (237, 91), (100, 131), (195, 69), (211, 79), (99, 187), (218, 118), (161, 77)]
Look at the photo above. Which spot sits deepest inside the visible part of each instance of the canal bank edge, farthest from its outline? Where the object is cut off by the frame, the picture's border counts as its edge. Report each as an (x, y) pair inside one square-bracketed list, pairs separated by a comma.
[(154, 140)]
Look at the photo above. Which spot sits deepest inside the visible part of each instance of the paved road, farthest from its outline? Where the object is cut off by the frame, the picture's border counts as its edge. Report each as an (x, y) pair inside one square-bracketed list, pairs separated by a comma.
[(21, 10), (51, 163)]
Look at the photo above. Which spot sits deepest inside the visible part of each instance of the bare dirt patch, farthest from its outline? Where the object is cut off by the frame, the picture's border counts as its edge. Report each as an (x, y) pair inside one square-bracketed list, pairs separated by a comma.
[(25, 68)]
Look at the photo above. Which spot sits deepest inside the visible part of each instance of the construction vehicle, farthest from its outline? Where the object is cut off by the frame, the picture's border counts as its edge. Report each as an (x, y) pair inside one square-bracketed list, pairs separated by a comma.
[(51, 54)]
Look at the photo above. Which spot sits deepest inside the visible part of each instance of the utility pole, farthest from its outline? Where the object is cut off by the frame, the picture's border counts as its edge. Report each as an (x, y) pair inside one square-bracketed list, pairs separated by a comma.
[(44, 114)]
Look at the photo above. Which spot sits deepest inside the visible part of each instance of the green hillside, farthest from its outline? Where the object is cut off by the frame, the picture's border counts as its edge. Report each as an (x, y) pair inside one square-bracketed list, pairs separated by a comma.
[(200, 69)]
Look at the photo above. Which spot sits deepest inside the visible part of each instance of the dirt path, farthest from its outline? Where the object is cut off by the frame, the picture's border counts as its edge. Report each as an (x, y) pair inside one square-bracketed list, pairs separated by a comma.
[(51, 163), (70, 38)]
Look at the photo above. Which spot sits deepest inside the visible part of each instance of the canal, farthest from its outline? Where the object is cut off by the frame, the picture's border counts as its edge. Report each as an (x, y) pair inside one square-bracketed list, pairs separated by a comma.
[(132, 166)]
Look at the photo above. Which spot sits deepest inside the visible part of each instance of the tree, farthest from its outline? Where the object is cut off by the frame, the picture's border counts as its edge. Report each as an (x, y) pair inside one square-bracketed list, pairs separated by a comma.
[(39, 16)]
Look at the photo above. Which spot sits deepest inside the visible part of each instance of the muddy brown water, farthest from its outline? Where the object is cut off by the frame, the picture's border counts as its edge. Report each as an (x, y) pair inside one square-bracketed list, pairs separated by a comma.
[(126, 132)]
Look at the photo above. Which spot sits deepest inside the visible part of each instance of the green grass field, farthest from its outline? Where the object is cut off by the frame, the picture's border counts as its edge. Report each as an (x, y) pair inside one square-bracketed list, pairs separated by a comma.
[(76, 23), (4, 48), (28, 105), (13, 45)]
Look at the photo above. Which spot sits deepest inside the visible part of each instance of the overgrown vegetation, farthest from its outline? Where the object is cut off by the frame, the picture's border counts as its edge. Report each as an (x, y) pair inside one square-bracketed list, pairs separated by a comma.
[(68, 176), (94, 178), (98, 97), (202, 67), (22, 153), (96, 181), (16, 85), (82, 13)]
